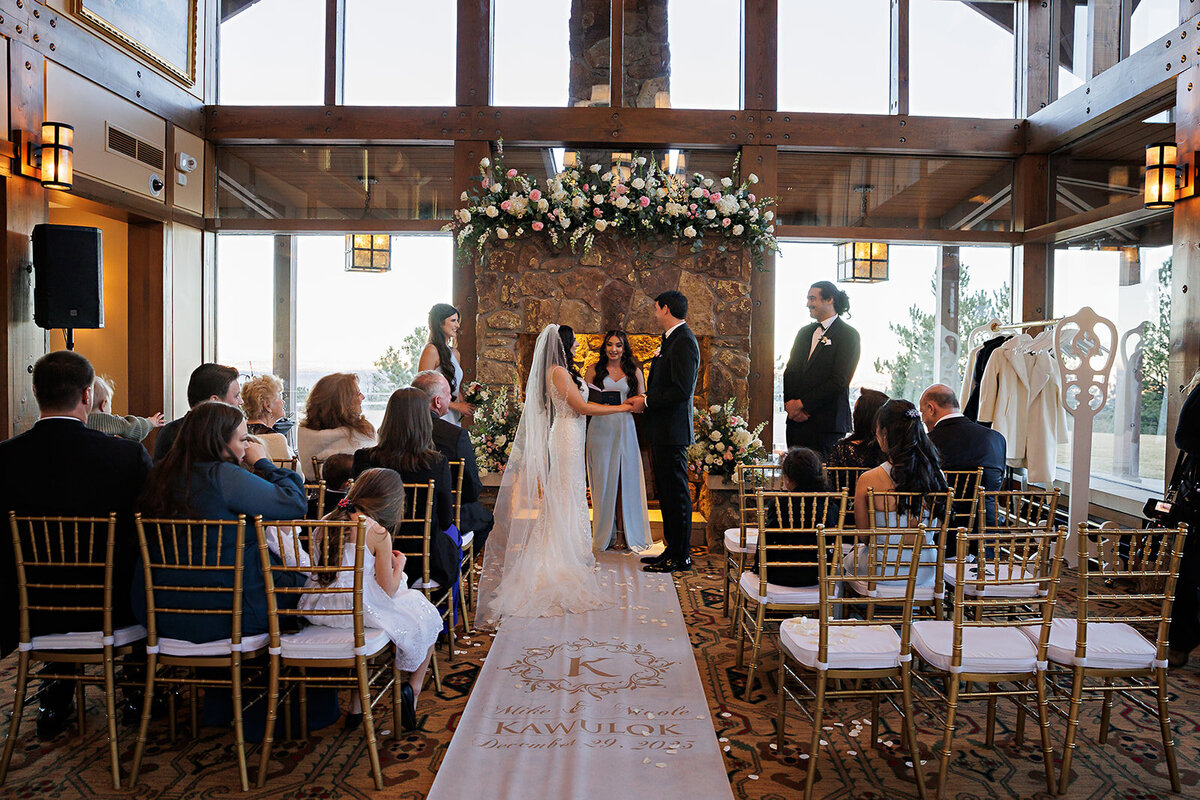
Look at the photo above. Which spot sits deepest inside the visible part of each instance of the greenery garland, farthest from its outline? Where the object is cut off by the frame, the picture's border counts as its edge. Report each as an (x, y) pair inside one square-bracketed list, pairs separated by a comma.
[(638, 200)]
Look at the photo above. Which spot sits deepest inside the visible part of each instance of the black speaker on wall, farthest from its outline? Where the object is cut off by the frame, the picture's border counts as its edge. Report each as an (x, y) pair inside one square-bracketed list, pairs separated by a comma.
[(68, 265)]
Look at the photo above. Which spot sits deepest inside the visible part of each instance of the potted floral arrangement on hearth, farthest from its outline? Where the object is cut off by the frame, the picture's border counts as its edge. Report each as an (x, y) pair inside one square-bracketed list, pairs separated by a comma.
[(637, 199), (497, 414), (724, 440)]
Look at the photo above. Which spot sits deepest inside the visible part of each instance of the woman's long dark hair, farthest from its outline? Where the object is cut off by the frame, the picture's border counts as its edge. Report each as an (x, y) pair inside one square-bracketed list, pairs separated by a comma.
[(203, 436), (406, 434), (629, 365), (867, 406), (566, 334), (377, 493), (915, 463), (437, 337), (803, 468)]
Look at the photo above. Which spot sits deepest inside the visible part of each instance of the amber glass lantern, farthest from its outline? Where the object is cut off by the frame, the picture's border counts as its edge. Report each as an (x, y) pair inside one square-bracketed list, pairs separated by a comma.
[(368, 252), (862, 262)]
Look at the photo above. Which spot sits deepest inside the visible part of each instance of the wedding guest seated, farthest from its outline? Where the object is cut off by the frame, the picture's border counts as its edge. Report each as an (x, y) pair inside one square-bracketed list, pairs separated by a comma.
[(406, 445), (859, 448), (333, 421), (262, 402), (207, 382), (802, 472), (455, 444), (101, 417), (202, 478), (337, 471), (963, 443), (912, 466), (60, 467)]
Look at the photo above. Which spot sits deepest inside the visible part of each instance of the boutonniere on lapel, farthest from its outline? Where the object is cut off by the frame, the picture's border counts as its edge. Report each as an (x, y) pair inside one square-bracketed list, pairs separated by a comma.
[(825, 342)]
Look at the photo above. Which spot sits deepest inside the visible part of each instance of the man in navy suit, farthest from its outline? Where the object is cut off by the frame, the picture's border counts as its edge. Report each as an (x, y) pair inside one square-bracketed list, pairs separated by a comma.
[(668, 404), (816, 382), (60, 467), (962, 442)]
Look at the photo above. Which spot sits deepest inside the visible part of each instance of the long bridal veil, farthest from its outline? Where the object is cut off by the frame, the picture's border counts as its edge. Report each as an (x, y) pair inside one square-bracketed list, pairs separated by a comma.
[(525, 478)]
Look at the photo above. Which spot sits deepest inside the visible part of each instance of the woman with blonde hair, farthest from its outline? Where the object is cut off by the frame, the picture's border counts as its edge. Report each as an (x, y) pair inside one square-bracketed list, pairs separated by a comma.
[(262, 402), (101, 416), (333, 421)]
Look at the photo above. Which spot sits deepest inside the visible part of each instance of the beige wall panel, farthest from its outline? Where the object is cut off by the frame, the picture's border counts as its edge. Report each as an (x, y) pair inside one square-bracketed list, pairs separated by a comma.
[(189, 196), (186, 321), (92, 110)]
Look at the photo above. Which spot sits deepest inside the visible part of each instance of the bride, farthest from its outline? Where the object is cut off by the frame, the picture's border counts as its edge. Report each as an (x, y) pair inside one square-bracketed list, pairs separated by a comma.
[(539, 562)]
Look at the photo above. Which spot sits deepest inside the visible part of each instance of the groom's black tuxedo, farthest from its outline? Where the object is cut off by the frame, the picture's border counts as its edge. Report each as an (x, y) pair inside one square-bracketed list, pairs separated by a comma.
[(670, 389), (821, 381)]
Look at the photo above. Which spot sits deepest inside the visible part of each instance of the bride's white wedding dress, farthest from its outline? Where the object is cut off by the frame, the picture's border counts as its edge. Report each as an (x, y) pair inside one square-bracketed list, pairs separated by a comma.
[(539, 560)]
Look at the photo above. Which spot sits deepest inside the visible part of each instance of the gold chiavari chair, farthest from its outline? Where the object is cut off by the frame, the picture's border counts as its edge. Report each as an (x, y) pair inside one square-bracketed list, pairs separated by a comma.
[(194, 571), (64, 565), (315, 492), (352, 658), (867, 651), (965, 483), (414, 539), (1127, 582), (740, 541), (845, 479), (466, 566), (789, 544), (928, 524), (984, 642), (318, 465), (292, 463)]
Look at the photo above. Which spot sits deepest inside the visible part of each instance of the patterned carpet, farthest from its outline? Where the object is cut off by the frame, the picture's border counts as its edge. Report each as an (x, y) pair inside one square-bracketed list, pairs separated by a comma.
[(333, 764)]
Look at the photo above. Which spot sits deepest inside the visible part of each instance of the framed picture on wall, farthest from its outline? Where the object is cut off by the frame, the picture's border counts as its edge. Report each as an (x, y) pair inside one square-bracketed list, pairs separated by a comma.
[(163, 33)]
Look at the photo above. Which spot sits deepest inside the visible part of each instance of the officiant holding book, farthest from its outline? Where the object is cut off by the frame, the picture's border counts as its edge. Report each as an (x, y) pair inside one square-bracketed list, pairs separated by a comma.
[(816, 381), (619, 516)]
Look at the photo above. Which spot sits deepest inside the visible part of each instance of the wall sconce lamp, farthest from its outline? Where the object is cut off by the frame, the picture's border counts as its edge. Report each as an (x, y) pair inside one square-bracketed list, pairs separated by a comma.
[(51, 161), (368, 252), (1162, 175), (862, 262)]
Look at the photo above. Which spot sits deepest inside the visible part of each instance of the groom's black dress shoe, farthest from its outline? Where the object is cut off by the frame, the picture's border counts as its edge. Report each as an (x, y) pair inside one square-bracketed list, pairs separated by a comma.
[(658, 559), (669, 565)]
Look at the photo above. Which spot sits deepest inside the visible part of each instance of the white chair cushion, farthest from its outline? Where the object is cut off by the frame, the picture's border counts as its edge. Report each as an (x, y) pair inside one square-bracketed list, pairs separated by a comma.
[(921, 594), (850, 646), (419, 583), (467, 539), (1002, 590), (1110, 645), (322, 641), (988, 650), (787, 595), (88, 640), (221, 647), (733, 539)]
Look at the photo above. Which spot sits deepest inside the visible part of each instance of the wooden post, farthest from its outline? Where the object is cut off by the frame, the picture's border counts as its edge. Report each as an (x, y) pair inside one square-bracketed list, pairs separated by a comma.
[(1108, 35), (1034, 65), (616, 55), (466, 166), (760, 50), (474, 56), (284, 340), (946, 341), (335, 51), (763, 162), (1032, 262), (899, 50), (149, 314)]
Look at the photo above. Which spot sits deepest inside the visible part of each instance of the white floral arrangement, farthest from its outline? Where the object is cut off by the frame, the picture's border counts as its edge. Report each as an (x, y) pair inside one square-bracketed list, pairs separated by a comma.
[(494, 429), (639, 200), (476, 393), (724, 440)]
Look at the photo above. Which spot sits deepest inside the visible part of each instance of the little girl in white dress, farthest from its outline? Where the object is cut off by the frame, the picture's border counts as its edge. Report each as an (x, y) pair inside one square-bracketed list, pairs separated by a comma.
[(408, 618)]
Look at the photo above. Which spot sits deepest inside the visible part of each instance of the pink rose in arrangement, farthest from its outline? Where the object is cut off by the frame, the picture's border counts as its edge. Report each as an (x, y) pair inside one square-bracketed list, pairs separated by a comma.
[(535, 195), (725, 222), (484, 182), (620, 188), (729, 455), (537, 226), (597, 212), (715, 196), (587, 188), (644, 201), (506, 205), (512, 173), (750, 197), (707, 194), (692, 207)]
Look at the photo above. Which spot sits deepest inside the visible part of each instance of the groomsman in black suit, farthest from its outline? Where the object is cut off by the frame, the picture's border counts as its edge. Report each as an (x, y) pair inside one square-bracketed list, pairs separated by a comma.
[(668, 405), (816, 382)]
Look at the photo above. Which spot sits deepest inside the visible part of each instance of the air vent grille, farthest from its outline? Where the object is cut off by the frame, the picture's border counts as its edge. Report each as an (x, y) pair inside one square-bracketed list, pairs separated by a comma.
[(121, 142), (149, 154)]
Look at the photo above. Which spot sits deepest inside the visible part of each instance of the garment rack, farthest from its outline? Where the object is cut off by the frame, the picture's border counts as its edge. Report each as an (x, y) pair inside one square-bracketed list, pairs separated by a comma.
[(995, 326)]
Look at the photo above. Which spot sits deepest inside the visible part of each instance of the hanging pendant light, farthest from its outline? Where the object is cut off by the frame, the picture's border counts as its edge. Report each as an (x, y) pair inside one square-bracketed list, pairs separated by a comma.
[(862, 262)]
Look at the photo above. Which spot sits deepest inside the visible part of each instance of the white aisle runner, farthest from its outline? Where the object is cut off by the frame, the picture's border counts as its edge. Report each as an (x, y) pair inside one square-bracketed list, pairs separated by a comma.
[(602, 704)]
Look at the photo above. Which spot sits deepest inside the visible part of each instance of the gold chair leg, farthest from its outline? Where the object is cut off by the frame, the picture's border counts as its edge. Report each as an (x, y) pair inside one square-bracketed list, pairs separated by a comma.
[(1106, 711), (194, 708), (436, 669), (398, 678), (1164, 724), (239, 729), (1019, 734), (110, 712), (758, 632), (80, 704), (364, 695), (910, 728), (304, 703), (14, 724), (739, 658), (814, 747), (725, 583), (947, 734), (264, 756), (990, 734), (172, 719), (1043, 707), (148, 701), (781, 716)]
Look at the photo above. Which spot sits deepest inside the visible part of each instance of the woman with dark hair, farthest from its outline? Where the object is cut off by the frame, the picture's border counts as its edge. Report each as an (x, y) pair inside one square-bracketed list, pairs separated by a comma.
[(802, 472), (406, 446), (614, 462), (912, 466), (439, 354), (333, 421), (202, 477), (408, 618), (860, 447)]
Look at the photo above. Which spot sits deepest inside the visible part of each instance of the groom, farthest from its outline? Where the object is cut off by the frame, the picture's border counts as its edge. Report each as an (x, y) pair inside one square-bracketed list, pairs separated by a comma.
[(667, 404)]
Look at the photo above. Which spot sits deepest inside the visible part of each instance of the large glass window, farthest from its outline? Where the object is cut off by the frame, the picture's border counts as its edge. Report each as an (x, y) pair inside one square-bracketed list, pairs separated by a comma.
[(1130, 283), (961, 59), (543, 55), (1152, 19), (819, 70), (245, 287), (272, 53), (1072, 43), (371, 324), (425, 76), (694, 63), (901, 321)]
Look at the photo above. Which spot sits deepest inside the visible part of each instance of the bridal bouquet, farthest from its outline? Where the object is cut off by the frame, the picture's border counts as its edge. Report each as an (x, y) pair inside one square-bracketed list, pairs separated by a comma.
[(476, 393), (494, 429), (724, 440), (637, 198)]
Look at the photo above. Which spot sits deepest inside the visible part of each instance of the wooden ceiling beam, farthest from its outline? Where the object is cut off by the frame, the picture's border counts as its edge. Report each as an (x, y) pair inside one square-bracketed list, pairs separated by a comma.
[(1141, 83), (612, 126)]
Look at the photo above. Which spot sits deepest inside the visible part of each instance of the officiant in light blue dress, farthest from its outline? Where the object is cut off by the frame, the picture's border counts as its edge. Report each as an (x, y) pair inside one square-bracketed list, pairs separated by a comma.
[(614, 463)]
